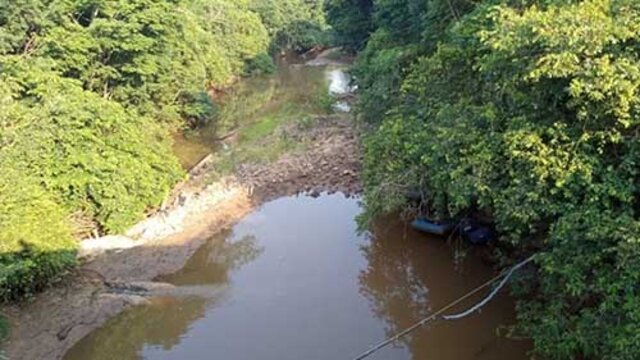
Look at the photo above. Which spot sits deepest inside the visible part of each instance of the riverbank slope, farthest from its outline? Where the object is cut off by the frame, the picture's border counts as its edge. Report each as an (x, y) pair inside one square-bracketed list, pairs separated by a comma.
[(119, 271)]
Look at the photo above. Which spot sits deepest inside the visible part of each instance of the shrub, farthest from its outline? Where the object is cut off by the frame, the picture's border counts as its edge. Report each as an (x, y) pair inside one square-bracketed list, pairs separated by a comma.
[(36, 243), (87, 151), (295, 25), (261, 64), (351, 21), (198, 108)]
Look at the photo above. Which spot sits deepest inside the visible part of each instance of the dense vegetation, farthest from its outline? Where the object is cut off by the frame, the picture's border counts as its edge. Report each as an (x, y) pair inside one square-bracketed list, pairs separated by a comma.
[(528, 110), (89, 91), (293, 24)]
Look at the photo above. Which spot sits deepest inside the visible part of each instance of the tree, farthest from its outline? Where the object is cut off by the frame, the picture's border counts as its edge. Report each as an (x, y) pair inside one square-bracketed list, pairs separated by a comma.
[(89, 92), (527, 111), (351, 21)]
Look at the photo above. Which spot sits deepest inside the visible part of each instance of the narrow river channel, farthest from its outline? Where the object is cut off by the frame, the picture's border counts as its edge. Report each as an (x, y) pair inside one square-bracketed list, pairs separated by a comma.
[(292, 92), (295, 280)]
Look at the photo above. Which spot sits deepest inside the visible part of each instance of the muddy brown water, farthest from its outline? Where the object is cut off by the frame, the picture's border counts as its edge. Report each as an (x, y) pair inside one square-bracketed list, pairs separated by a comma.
[(295, 280)]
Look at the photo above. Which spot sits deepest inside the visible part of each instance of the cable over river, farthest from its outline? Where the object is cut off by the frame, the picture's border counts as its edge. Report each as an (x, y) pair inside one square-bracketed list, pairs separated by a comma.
[(295, 280)]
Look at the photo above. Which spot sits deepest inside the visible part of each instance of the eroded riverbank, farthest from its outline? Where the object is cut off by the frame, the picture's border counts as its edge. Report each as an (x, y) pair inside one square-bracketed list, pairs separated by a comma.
[(57, 319), (309, 151)]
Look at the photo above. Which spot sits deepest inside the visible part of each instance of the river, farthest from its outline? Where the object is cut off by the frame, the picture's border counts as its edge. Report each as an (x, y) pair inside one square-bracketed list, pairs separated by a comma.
[(292, 92), (296, 280)]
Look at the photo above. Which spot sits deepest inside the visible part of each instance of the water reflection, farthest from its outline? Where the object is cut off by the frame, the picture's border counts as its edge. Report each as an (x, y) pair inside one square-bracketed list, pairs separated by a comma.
[(292, 87), (339, 82), (162, 324), (214, 262), (295, 280), (410, 275), (392, 280)]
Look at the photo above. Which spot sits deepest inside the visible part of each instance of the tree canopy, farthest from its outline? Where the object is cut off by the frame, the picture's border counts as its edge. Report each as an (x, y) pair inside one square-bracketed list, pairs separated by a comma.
[(528, 111), (89, 91)]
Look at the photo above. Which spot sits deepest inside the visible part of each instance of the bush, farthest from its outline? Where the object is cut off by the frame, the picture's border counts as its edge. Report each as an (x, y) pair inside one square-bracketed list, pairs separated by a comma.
[(351, 22), (380, 69), (300, 36), (88, 152), (36, 243), (198, 109), (297, 25), (261, 64)]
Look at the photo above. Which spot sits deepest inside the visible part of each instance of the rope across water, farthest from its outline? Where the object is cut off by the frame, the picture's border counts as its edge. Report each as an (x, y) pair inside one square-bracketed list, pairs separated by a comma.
[(505, 275)]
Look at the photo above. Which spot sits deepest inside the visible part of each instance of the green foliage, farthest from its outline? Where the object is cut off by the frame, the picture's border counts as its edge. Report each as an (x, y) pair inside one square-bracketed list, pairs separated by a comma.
[(588, 298), (527, 110), (233, 28), (90, 152), (261, 64), (134, 51), (379, 69), (400, 31), (198, 109), (36, 244), (351, 21), (89, 90), (295, 25)]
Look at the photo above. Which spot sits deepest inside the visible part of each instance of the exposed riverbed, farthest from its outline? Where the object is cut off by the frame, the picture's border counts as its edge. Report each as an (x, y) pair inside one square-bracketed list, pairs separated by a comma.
[(295, 92), (295, 280)]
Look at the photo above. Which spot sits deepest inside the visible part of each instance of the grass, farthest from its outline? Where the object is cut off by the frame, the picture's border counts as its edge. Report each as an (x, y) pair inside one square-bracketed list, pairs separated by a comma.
[(261, 142), (264, 127)]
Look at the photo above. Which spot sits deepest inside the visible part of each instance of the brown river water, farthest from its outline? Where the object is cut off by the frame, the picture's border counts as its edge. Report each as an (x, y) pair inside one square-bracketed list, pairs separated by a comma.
[(296, 280)]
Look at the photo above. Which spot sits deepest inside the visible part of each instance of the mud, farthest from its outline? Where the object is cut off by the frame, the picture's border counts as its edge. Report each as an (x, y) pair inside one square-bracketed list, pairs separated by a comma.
[(120, 274), (330, 163)]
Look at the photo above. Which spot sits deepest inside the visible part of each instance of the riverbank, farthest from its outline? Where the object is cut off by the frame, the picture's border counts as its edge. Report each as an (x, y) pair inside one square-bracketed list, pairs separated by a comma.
[(119, 271)]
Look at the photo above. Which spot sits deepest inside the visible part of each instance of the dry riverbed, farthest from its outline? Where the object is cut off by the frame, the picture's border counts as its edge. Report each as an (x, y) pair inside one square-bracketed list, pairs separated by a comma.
[(119, 271)]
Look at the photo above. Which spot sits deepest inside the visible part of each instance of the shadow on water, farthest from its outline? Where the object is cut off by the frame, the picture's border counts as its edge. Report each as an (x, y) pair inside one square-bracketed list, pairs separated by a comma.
[(216, 260), (162, 323), (410, 275), (296, 281)]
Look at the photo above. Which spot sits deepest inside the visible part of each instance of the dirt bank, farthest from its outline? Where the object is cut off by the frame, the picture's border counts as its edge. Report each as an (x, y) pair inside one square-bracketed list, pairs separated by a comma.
[(119, 271), (331, 162)]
